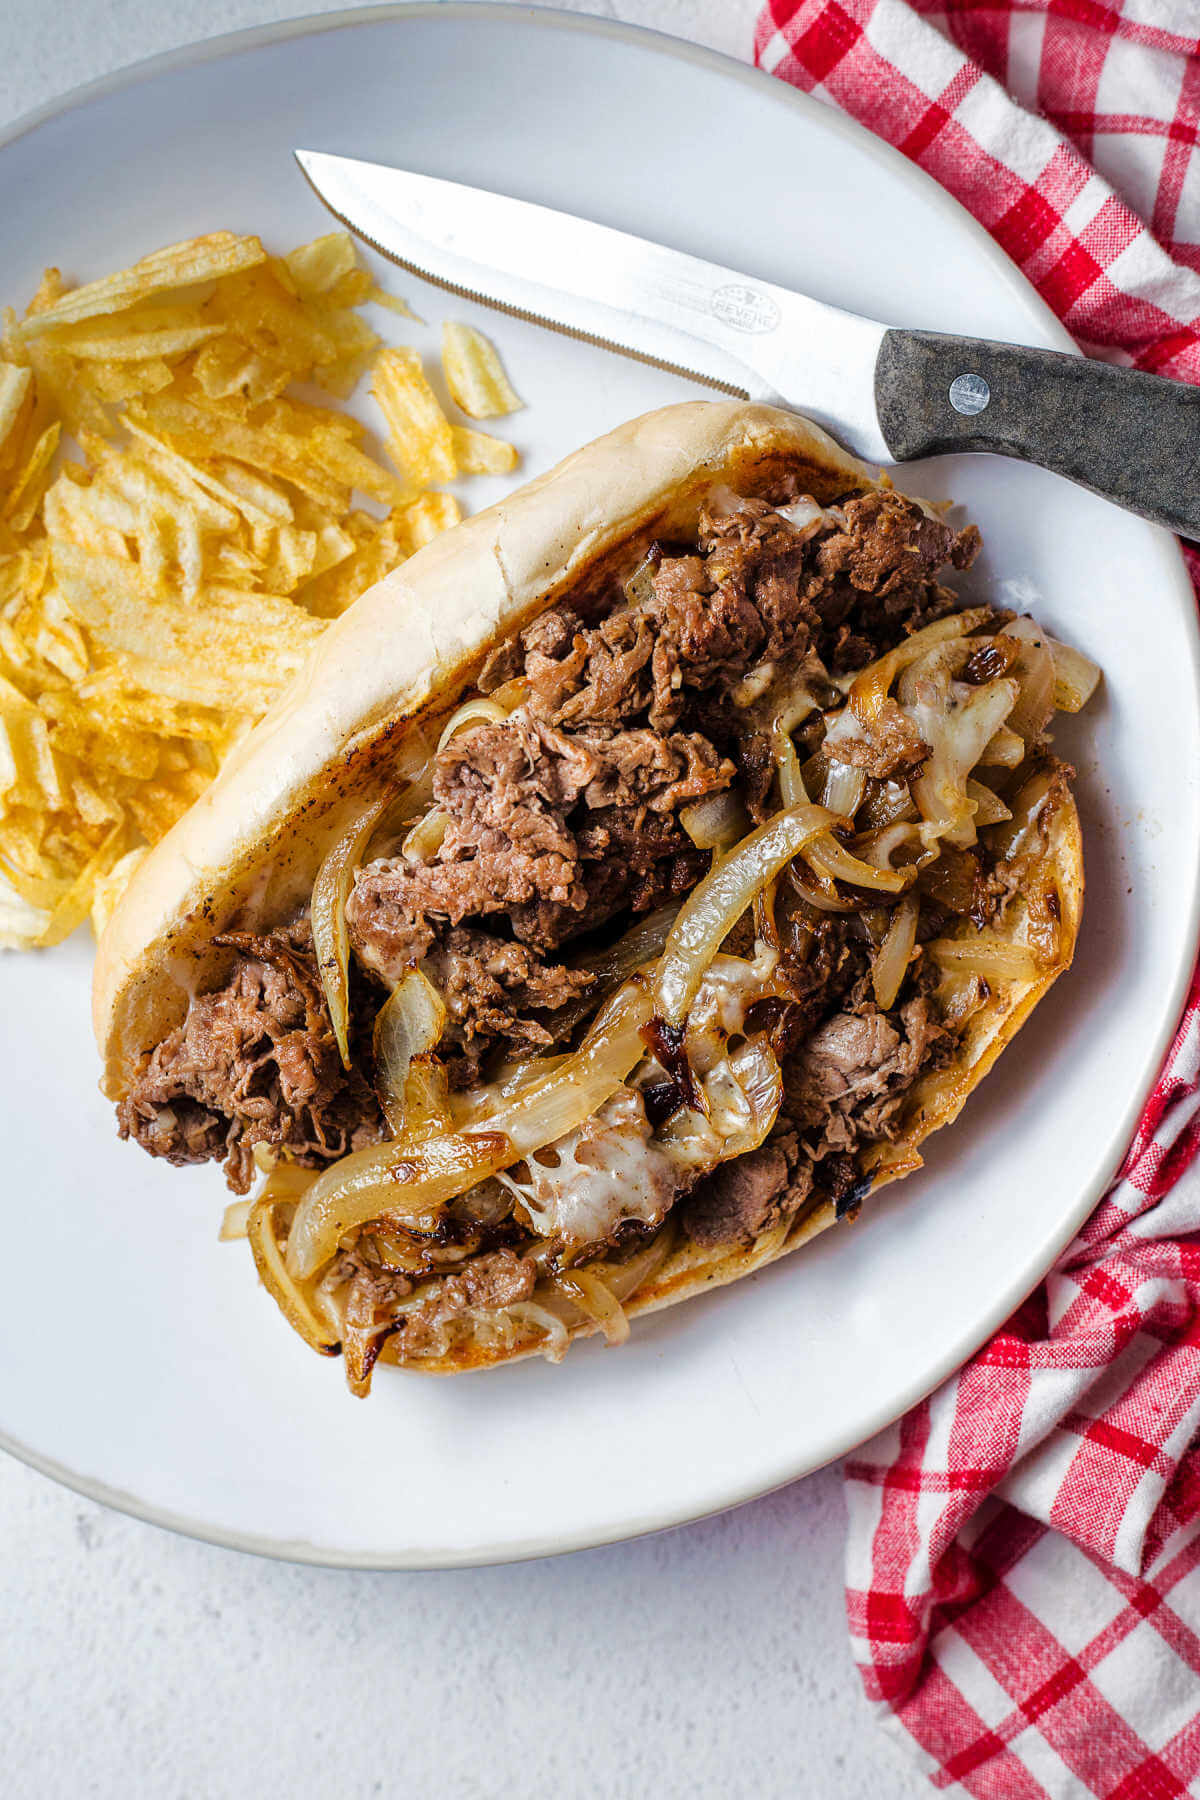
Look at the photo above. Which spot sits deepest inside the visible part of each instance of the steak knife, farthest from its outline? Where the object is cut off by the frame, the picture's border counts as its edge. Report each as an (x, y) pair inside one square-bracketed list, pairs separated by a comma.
[(887, 394)]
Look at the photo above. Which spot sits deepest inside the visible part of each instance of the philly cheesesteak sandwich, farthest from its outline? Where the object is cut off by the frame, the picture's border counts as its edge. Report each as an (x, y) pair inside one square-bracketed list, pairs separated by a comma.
[(624, 891)]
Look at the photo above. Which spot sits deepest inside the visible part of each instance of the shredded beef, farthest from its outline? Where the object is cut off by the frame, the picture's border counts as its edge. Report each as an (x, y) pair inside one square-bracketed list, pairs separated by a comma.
[(849, 1082), (499, 1278), (888, 747), (567, 813), (565, 816), (254, 1062), (497, 989), (744, 1198)]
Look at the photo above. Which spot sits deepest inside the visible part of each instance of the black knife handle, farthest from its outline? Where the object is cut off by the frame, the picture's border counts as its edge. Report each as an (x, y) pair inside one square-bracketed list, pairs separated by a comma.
[(1133, 438)]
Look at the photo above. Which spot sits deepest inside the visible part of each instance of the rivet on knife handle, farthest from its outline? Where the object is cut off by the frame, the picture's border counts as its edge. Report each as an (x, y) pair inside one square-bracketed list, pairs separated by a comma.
[(1133, 438)]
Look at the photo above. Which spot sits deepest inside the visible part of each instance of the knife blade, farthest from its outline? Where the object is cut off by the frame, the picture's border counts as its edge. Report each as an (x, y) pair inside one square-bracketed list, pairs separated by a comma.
[(889, 395)]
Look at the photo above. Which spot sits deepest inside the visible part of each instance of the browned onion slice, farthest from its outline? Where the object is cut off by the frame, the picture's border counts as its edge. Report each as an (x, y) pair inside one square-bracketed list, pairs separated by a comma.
[(715, 822), (891, 962), (715, 906), (405, 1182), (413, 1180), (408, 1025), (987, 954), (871, 685), (331, 940)]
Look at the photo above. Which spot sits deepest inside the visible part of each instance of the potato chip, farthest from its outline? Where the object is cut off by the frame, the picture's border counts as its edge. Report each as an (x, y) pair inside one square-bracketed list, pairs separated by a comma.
[(158, 594), (477, 453), (26, 493), (228, 366), (259, 310), (420, 440), (428, 517), (137, 336), (20, 924), (329, 594), (16, 398), (475, 374), (198, 429), (379, 297), (317, 267), (177, 266), (358, 470)]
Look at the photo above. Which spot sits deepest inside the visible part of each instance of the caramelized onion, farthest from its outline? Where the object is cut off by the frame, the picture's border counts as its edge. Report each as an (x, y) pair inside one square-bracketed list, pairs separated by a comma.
[(331, 890), (824, 899), (1005, 749), (640, 586), (879, 847), (408, 1025), (871, 685), (478, 711), (715, 906), (891, 961), (401, 1181), (1034, 671), (550, 1106), (1027, 806), (715, 822), (1076, 676), (986, 953), (989, 807), (958, 721), (277, 1278), (413, 1181), (424, 841), (844, 789), (832, 860), (792, 790), (596, 1301), (556, 1340), (426, 1097), (234, 1221)]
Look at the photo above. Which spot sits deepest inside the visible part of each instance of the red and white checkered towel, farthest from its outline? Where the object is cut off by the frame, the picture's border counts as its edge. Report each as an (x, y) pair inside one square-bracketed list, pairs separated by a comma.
[(1023, 1580)]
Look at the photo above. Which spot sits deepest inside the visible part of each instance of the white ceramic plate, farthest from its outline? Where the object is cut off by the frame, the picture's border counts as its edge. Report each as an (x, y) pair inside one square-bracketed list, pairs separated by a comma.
[(142, 1362)]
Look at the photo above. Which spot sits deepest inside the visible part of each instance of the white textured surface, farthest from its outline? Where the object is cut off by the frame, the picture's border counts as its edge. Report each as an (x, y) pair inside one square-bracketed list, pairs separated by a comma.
[(707, 1661)]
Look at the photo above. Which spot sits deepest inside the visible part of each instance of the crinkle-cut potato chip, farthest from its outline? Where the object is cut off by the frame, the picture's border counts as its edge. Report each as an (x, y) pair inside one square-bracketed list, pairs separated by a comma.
[(148, 331), (474, 373), (373, 556), (380, 297), (427, 518), (317, 267), (177, 266), (420, 440), (177, 525), (478, 453), (16, 402), (25, 495)]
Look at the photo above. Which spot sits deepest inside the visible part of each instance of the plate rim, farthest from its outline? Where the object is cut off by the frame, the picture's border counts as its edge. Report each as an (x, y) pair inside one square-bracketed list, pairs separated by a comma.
[(1048, 327)]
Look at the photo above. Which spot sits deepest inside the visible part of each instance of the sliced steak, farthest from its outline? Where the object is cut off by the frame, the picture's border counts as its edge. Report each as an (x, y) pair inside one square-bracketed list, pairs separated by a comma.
[(499, 1278), (888, 746), (565, 816), (739, 1199), (849, 1082), (254, 1062), (497, 989)]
